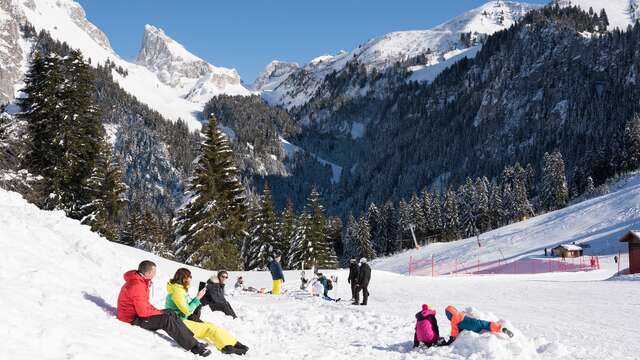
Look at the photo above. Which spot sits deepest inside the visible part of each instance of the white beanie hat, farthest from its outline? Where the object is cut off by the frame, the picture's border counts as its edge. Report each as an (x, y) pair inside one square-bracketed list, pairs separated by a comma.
[(363, 260)]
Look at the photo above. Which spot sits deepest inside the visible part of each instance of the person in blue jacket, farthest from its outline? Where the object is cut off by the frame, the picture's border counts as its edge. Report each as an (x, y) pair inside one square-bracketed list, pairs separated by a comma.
[(276, 274)]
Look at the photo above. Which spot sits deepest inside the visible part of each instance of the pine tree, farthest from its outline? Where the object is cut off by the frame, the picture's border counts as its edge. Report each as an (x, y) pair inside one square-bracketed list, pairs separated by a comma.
[(299, 249), (450, 219), (481, 201), (363, 239), (590, 188), (106, 190), (467, 208), (432, 214), (286, 232), (496, 206), (391, 233), (263, 243), (133, 229), (64, 128), (311, 245), (350, 243), (211, 225), (632, 143), (515, 180), (417, 216), (376, 223), (555, 193), (334, 235)]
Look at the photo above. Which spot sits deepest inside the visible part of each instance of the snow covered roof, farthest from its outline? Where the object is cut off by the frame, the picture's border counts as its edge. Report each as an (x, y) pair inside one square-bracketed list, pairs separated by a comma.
[(633, 236), (569, 247)]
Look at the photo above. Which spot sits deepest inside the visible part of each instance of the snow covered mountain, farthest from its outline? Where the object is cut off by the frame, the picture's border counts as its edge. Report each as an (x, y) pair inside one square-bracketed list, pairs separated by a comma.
[(443, 45), (195, 79), (176, 84), (621, 13)]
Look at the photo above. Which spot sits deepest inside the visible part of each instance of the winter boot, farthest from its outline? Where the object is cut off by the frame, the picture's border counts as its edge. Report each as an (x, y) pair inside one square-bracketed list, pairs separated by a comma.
[(508, 332), (201, 349)]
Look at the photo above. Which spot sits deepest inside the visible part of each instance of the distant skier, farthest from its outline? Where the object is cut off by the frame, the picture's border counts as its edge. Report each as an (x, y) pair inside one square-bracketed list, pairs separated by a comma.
[(427, 331), (134, 308), (353, 280), (461, 321), (364, 276), (276, 274)]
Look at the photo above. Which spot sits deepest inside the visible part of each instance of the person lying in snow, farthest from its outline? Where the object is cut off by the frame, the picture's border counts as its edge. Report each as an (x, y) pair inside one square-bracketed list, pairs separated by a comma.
[(461, 321), (427, 331), (239, 286), (134, 308), (178, 301)]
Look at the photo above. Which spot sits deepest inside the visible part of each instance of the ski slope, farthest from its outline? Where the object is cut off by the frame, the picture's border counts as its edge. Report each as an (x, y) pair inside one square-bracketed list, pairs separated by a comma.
[(61, 281), (598, 222)]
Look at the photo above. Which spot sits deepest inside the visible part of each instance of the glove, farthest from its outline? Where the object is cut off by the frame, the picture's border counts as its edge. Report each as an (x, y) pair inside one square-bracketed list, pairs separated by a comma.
[(451, 339), (441, 342)]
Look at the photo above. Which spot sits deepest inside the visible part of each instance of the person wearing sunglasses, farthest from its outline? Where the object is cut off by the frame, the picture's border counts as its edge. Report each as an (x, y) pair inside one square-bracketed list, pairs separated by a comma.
[(214, 296)]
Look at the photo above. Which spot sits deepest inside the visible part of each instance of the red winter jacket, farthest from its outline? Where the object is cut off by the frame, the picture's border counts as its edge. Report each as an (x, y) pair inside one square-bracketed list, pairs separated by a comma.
[(133, 301)]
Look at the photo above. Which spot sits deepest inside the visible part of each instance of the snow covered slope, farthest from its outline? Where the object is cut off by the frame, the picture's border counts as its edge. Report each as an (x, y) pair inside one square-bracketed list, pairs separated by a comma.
[(598, 222), (620, 13), (440, 43), (61, 282), (175, 95)]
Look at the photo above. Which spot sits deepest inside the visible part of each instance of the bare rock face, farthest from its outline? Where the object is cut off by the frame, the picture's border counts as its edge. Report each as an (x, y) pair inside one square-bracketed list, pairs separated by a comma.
[(11, 53), (180, 69)]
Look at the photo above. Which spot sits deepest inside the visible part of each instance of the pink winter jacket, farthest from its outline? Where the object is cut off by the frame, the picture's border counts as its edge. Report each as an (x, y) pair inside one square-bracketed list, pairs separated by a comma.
[(427, 326)]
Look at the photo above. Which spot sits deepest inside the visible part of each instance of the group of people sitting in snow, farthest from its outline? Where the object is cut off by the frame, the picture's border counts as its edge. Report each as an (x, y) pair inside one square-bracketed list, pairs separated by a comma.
[(427, 332), (181, 317)]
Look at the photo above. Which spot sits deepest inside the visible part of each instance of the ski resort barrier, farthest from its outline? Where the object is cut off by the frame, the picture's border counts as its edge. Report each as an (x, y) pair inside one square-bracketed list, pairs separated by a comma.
[(473, 266)]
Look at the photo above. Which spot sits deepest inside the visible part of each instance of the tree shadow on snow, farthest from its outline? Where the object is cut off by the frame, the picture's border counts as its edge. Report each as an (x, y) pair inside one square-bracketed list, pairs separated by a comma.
[(102, 303), (403, 347)]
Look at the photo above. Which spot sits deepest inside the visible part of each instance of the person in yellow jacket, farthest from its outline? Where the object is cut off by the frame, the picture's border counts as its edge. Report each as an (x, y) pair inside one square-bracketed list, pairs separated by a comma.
[(178, 301)]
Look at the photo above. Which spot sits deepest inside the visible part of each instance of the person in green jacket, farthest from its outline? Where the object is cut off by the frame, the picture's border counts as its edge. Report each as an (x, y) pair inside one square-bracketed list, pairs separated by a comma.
[(178, 301)]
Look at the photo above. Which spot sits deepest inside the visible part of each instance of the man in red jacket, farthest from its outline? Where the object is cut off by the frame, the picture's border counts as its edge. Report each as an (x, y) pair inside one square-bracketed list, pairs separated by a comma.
[(134, 308)]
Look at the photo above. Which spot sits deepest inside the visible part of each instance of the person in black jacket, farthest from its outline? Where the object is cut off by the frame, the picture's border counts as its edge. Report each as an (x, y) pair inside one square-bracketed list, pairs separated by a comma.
[(214, 297), (364, 275), (353, 280)]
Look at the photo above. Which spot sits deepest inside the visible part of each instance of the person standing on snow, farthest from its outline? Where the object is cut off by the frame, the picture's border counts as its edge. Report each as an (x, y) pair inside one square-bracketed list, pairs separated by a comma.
[(353, 280), (461, 321), (214, 297), (276, 274), (134, 308), (364, 275), (178, 300)]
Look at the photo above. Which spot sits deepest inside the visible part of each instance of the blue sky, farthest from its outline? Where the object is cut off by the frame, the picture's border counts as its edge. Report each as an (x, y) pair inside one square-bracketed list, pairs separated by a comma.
[(248, 34)]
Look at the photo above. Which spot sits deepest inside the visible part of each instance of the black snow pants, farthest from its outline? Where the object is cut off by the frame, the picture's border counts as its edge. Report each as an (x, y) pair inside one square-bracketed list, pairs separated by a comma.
[(355, 293), (172, 325)]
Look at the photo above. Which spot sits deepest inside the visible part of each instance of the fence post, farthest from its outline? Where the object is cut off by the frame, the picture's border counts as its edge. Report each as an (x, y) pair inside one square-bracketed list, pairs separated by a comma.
[(410, 264), (432, 266)]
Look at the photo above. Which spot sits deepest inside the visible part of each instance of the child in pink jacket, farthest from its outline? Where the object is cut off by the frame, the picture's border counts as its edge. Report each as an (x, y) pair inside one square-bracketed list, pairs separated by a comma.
[(427, 328)]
